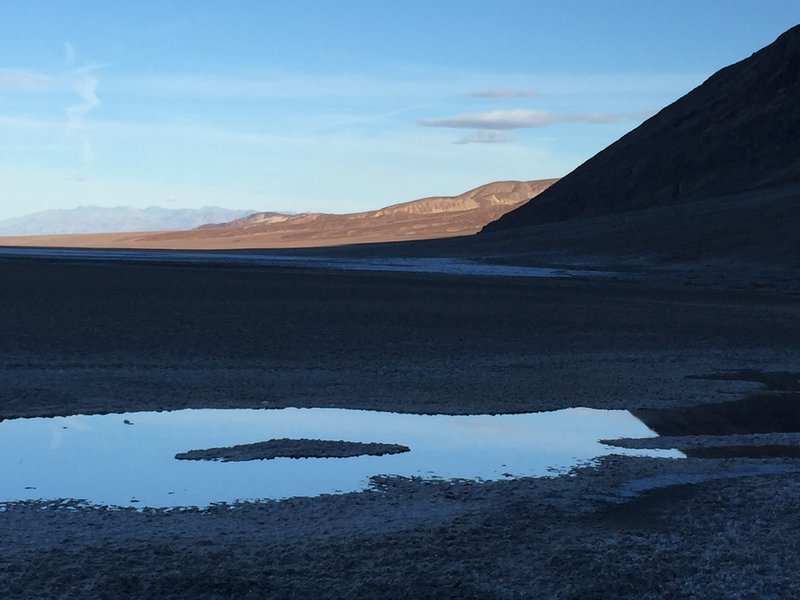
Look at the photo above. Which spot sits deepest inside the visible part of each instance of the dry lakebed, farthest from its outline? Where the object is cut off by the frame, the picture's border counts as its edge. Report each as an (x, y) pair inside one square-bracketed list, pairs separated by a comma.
[(653, 508)]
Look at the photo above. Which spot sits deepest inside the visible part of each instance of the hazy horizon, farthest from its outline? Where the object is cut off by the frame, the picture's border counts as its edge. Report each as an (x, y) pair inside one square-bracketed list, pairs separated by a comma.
[(315, 108)]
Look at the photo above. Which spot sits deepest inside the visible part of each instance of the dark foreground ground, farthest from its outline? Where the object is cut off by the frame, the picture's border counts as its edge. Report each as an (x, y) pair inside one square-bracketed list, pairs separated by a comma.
[(105, 338)]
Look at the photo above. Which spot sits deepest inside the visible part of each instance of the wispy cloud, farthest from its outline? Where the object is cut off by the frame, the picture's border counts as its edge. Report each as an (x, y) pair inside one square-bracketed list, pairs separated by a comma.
[(502, 93), (429, 84), (109, 130), (276, 85), (25, 80), (83, 83), (521, 119), (69, 53), (484, 136), (80, 80), (27, 126)]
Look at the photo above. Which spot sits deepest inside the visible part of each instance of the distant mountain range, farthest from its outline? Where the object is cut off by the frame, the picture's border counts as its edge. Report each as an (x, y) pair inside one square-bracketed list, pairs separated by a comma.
[(99, 219), (426, 218)]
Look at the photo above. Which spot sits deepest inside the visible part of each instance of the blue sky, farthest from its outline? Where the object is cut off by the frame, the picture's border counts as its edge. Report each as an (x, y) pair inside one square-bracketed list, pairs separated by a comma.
[(337, 106)]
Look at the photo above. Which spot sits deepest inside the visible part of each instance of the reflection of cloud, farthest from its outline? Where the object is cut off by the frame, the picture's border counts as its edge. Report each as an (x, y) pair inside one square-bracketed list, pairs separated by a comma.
[(502, 93), (520, 119), (490, 425), (485, 137), (24, 80)]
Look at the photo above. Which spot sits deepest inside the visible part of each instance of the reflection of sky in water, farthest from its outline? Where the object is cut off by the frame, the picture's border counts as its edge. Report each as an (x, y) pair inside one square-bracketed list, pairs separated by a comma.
[(101, 459)]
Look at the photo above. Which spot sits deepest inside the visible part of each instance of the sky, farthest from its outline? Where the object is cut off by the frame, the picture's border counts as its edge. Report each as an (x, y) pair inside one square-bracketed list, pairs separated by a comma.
[(337, 105)]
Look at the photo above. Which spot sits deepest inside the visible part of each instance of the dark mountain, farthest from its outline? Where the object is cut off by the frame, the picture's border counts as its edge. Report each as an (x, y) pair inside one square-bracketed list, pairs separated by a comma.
[(737, 132)]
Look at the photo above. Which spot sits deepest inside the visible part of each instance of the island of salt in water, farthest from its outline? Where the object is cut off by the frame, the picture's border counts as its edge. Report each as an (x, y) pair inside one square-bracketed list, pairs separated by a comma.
[(129, 460)]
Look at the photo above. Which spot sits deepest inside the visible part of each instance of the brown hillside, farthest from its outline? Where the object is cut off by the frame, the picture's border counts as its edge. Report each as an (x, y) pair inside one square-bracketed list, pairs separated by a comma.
[(426, 218)]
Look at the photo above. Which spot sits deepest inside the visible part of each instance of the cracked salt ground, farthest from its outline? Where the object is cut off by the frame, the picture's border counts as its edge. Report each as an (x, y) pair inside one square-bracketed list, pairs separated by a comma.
[(442, 266), (129, 459)]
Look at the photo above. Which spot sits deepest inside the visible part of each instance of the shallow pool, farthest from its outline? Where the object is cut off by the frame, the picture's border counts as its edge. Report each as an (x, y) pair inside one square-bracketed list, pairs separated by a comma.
[(129, 459)]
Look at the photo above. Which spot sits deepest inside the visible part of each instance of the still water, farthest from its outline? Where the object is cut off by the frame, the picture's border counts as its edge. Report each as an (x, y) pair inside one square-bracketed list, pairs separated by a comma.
[(129, 459)]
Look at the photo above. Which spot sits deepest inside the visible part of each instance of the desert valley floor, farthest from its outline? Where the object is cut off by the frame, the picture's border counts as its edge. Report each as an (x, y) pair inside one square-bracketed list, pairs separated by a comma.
[(169, 336)]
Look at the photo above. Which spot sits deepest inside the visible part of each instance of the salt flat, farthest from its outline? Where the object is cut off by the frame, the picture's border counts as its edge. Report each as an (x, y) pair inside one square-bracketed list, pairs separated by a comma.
[(94, 337)]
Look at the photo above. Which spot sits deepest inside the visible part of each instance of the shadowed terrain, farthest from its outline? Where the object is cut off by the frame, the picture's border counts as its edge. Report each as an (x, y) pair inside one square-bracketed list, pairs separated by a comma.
[(736, 132), (712, 182)]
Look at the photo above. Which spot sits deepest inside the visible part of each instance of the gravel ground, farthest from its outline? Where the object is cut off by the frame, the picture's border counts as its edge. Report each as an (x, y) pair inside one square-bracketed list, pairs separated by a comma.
[(632, 528), (90, 338)]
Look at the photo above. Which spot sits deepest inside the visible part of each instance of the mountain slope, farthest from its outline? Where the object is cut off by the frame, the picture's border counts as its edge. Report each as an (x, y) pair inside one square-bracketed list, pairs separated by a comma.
[(426, 218), (465, 213), (738, 131), (99, 219)]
